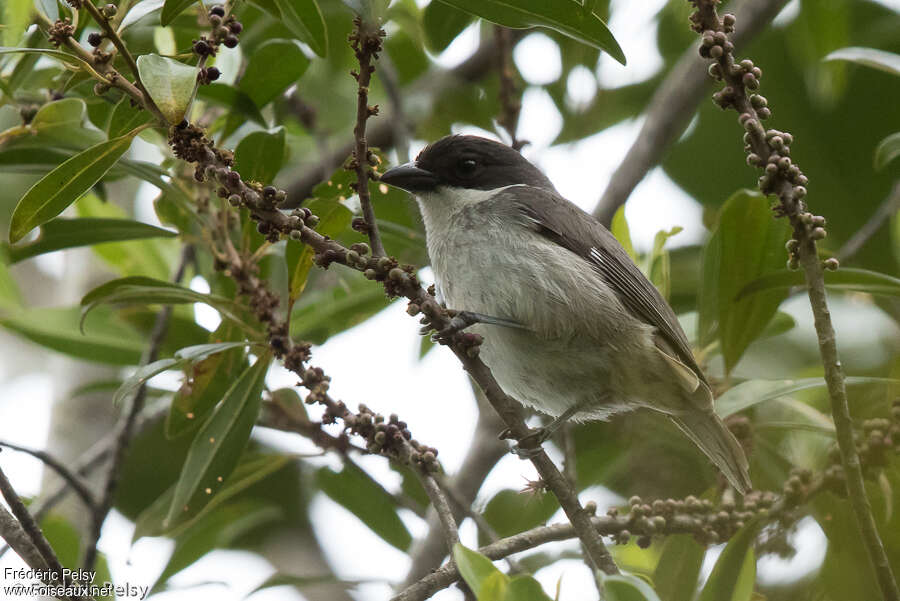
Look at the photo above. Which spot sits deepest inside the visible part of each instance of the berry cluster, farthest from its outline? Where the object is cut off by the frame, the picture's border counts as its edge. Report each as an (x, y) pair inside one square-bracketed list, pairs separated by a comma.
[(225, 31), (61, 31)]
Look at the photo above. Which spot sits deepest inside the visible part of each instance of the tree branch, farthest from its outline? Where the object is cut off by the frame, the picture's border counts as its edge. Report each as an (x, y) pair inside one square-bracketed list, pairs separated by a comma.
[(33, 530), (72, 479), (672, 107), (366, 42), (887, 208), (483, 454), (442, 508), (770, 150)]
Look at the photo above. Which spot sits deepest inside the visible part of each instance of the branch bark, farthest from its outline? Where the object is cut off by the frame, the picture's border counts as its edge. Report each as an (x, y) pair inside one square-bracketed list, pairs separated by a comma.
[(366, 40)]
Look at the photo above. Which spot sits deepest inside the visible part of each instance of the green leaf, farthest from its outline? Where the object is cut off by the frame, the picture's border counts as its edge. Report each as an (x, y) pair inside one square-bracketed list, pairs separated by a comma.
[(251, 469), (65, 57), (173, 8), (107, 339), (61, 122), (280, 579), (274, 66), (16, 15), (624, 587), (620, 230), (62, 232), (205, 383), (259, 155), (10, 296), (140, 289), (139, 11), (887, 150), (64, 185), (170, 84), (149, 257), (678, 568), (525, 588), (442, 23), (125, 117), (219, 444), (657, 266), (565, 16), (185, 355), (217, 530), (733, 575), (746, 244), (333, 219), (510, 512), (368, 501), (323, 313), (753, 392), (477, 570), (233, 99), (846, 278), (304, 19), (870, 57)]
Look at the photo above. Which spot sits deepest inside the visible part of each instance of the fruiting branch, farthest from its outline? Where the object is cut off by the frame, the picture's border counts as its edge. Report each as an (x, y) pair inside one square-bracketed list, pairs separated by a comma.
[(769, 150)]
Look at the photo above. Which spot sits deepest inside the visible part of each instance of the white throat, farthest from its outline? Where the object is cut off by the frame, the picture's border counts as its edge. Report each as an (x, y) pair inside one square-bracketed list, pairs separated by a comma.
[(440, 205)]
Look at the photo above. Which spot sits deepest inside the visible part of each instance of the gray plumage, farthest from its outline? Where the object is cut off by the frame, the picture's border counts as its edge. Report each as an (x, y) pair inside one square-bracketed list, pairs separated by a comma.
[(597, 333)]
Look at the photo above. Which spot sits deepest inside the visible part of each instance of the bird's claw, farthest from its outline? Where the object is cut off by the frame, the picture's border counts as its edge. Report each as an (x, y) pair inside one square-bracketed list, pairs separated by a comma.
[(529, 446)]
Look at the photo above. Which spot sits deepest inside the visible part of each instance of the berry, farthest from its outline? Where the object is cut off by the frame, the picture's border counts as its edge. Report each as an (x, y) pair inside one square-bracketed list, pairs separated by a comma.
[(230, 41), (219, 11), (95, 39)]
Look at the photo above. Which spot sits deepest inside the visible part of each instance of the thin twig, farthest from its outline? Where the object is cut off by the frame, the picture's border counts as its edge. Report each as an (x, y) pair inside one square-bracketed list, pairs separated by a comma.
[(34, 532), (672, 107), (890, 206), (109, 29), (366, 40), (510, 104), (105, 73), (87, 463), (483, 454), (459, 505), (770, 150), (71, 478), (439, 502), (19, 541), (125, 428)]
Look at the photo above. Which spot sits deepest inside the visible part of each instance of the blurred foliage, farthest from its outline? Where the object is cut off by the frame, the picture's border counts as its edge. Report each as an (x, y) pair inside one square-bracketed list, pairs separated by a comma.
[(283, 100)]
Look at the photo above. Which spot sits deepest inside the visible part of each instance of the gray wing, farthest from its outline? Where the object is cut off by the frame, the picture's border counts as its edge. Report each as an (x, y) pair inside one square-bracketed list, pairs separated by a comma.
[(564, 223)]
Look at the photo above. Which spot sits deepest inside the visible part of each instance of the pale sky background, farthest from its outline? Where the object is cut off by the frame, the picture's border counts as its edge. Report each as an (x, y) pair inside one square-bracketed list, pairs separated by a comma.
[(656, 204)]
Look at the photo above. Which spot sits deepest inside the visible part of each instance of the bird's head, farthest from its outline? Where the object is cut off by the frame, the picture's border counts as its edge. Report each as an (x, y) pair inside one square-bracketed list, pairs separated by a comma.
[(465, 163)]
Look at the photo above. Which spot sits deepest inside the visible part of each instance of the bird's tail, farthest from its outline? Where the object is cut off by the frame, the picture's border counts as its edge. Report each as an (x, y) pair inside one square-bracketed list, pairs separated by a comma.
[(708, 431)]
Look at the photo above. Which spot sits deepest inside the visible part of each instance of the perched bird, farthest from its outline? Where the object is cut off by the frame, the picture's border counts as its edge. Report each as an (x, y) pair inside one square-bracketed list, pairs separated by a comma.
[(571, 326)]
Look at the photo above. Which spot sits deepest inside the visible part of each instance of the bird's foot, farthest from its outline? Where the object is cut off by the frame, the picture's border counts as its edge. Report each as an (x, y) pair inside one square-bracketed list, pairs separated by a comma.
[(461, 320), (529, 446)]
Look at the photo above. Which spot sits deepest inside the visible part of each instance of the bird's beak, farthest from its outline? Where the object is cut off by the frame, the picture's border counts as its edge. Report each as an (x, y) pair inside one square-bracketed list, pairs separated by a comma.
[(410, 177)]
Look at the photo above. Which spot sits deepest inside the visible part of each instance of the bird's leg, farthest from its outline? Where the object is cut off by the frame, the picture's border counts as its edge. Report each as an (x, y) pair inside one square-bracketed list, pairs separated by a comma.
[(530, 444), (463, 319)]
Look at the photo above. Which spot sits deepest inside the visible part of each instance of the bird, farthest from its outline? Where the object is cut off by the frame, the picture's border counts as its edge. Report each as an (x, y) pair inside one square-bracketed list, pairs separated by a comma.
[(571, 327)]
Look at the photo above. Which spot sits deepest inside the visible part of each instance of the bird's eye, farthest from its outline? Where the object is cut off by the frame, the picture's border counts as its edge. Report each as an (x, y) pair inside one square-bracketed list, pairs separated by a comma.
[(467, 167)]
